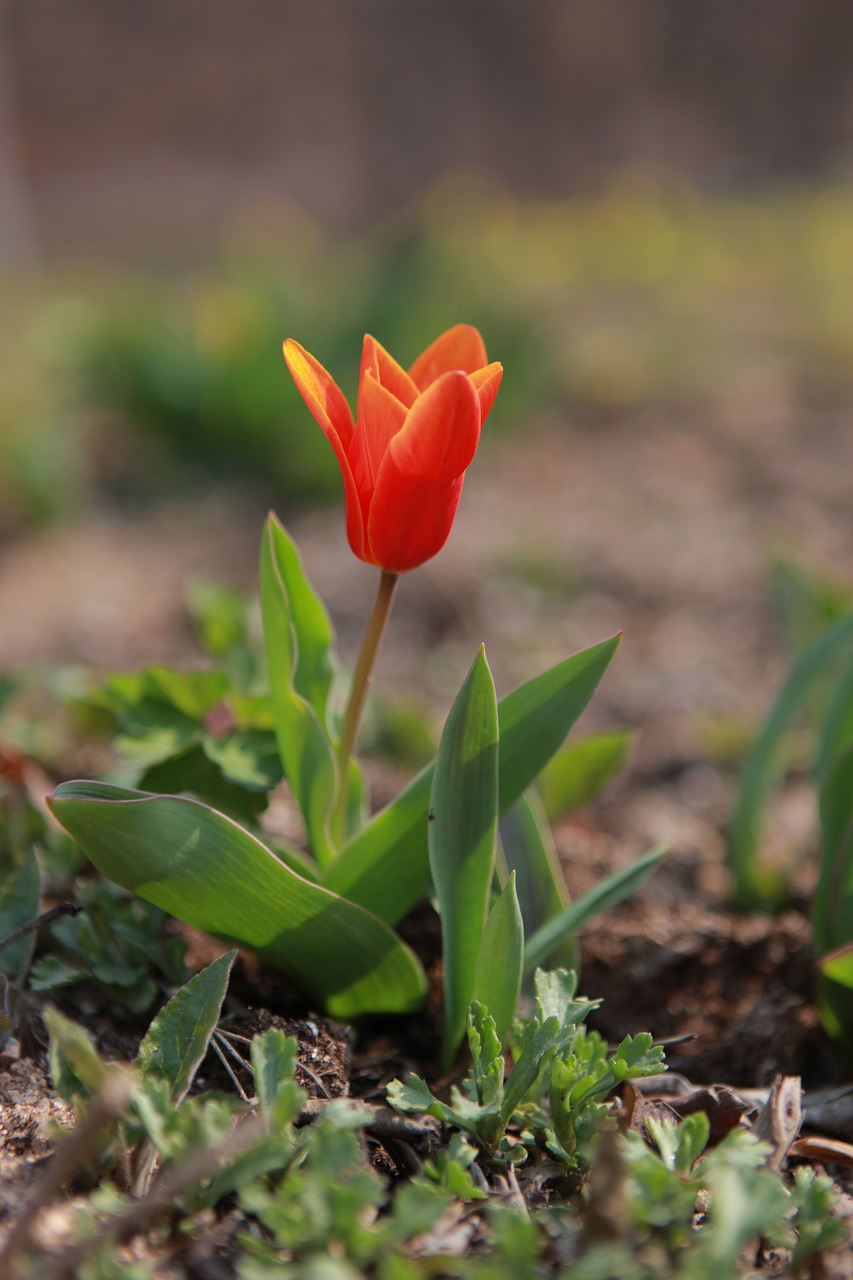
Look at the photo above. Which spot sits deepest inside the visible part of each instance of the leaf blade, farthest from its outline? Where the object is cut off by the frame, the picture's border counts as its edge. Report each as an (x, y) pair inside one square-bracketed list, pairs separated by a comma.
[(202, 867)]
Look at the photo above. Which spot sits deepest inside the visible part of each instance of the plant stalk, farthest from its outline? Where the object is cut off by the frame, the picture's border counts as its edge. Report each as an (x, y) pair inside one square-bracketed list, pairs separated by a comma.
[(358, 690)]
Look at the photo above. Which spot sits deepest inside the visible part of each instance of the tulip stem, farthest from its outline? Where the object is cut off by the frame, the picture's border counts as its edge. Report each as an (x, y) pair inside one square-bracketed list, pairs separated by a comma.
[(358, 691)]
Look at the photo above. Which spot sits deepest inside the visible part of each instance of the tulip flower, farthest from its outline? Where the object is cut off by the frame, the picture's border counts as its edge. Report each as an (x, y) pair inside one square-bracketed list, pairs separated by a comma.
[(404, 459)]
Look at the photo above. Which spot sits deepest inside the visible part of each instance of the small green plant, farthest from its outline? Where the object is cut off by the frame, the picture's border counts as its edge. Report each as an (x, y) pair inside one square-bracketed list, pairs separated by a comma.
[(326, 914), (553, 1096)]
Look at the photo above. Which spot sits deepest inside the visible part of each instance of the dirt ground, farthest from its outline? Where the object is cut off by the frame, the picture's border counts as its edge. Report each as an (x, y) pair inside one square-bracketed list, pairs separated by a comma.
[(644, 523)]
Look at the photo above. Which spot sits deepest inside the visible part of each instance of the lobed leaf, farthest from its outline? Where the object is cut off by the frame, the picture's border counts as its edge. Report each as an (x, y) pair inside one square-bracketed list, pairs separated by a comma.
[(19, 904)]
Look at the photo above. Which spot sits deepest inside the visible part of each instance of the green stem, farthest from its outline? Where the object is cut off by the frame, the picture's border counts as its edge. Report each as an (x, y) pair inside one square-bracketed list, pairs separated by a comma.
[(358, 690)]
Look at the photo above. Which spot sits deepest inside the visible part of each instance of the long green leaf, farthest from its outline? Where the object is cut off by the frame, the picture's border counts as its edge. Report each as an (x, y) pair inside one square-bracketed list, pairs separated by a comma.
[(528, 851), (178, 1038), (497, 982), (297, 646), (578, 772), (462, 828), (385, 866), (206, 870), (757, 886), (612, 890), (832, 909)]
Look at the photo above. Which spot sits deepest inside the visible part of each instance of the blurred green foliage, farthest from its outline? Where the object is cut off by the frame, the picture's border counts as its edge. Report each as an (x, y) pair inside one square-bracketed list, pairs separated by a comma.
[(134, 382)]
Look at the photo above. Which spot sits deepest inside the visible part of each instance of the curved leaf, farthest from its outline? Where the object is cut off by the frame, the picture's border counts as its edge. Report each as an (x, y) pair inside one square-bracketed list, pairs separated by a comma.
[(757, 886), (385, 866), (498, 978), (206, 870), (606, 894), (297, 640)]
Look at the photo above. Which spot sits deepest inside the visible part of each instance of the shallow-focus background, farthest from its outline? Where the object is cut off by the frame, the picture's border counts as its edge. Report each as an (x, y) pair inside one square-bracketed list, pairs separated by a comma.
[(646, 208)]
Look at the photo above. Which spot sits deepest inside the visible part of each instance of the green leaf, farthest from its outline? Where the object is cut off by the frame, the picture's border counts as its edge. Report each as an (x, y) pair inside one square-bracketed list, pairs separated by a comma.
[(72, 1057), (497, 981), (757, 886), (179, 1036), (203, 868), (621, 884), (273, 1065), (832, 909), (528, 850), (485, 1045), (462, 828), (837, 729), (385, 866), (247, 757), (19, 904), (577, 773), (193, 772), (297, 641)]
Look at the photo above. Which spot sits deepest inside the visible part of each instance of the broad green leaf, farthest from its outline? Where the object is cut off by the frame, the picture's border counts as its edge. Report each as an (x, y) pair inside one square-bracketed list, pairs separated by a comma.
[(299, 674), (577, 773), (385, 866), (612, 890), (247, 757), (206, 870), (193, 772), (497, 980), (832, 910), (757, 886), (461, 838), (178, 1038), (19, 904), (528, 850)]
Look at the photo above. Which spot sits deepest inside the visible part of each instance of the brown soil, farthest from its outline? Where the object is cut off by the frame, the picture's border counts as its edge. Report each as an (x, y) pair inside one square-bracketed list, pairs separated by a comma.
[(564, 536)]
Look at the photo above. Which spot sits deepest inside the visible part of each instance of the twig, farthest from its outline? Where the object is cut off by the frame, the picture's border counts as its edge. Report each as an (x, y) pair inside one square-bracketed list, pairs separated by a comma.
[(52, 913)]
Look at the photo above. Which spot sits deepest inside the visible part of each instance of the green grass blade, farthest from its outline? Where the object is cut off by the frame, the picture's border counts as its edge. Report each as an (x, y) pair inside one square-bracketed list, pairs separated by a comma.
[(612, 890), (461, 839), (297, 648), (756, 886), (497, 981), (832, 909), (385, 866), (205, 869)]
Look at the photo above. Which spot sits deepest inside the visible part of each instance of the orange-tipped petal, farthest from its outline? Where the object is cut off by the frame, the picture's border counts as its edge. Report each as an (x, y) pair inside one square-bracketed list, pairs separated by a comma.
[(487, 381), (376, 360), (420, 480), (458, 348), (329, 408), (380, 416)]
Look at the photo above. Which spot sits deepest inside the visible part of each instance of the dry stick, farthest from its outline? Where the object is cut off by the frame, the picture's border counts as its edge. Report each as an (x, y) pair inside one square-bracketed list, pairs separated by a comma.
[(61, 909), (184, 1176)]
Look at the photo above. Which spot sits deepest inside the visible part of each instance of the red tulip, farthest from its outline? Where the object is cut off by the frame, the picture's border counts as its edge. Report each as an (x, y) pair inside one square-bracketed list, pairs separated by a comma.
[(404, 460)]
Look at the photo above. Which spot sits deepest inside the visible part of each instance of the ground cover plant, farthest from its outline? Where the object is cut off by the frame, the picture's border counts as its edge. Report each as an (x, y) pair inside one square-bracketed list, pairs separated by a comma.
[(542, 1156)]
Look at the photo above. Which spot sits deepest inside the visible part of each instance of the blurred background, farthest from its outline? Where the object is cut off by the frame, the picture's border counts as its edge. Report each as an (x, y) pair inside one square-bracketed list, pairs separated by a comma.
[(646, 207)]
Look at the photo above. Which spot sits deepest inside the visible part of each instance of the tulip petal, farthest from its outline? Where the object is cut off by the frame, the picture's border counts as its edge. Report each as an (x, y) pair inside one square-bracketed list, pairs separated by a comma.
[(420, 479), (330, 410), (458, 348), (377, 361), (380, 416), (487, 381)]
